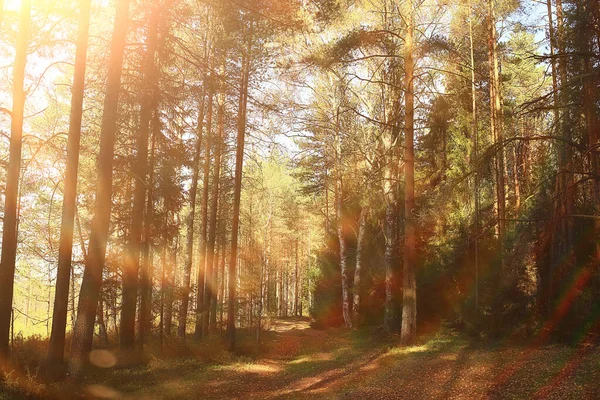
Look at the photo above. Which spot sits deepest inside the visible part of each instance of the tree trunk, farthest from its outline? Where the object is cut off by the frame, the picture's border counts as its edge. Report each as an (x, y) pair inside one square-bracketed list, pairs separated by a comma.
[(567, 188), (148, 257), (360, 241), (92, 277), (56, 346), (170, 293), (339, 203), (409, 288), (475, 133), (200, 279), (210, 288), (132, 259), (190, 223), (296, 282), (237, 191), (9, 227), (496, 127)]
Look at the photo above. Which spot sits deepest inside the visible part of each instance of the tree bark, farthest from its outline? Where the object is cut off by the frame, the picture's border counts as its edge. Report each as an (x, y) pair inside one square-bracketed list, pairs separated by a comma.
[(210, 285), (190, 223), (200, 279), (92, 277), (147, 272), (237, 191), (360, 242), (56, 346), (475, 133), (409, 289), (140, 172), (9, 226), (496, 126)]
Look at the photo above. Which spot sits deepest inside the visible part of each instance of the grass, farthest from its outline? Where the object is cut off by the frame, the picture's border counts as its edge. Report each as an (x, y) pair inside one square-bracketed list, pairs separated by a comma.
[(298, 362)]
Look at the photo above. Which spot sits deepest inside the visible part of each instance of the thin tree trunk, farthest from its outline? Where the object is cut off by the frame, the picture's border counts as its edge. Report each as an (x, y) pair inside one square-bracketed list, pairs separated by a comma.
[(339, 202), (9, 226), (56, 346), (163, 288), (296, 282), (92, 277), (132, 259), (360, 241), (567, 186), (409, 288), (475, 133), (496, 126), (147, 272), (200, 279), (212, 231), (190, 225), (237, 190), (170, 294)]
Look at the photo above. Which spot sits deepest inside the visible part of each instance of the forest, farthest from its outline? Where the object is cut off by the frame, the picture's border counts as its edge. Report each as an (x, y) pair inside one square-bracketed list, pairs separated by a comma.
[(371, 199)]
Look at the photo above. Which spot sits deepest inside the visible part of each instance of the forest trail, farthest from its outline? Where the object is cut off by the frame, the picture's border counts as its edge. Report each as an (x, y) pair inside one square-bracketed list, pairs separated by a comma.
[(300, 362)]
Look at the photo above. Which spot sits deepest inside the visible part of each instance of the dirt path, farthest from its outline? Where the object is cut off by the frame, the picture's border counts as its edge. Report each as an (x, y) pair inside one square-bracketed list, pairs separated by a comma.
[(301, 363)]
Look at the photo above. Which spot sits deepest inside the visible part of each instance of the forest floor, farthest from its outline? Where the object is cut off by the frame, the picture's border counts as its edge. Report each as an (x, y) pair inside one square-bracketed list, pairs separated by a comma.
[(298, 362)]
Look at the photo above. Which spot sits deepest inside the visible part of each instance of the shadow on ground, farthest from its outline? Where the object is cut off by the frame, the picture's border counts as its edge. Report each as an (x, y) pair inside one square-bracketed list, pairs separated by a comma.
[(298, 362)]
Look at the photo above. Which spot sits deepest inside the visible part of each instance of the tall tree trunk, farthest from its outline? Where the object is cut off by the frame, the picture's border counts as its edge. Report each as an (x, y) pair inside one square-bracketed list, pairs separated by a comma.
[(9, 226), (56, 347), (163, 285), (590, 99), (391, 193), (409, 288), (339, 205), (237, 191), (360, 242), (170, 293), (132, 259), (190, 223), (296, 282), (566, 177), (200, 279), (496, 125), (220, 254), (92, 277), (547, 277), (148, 256), (210, 285), (475, 133)]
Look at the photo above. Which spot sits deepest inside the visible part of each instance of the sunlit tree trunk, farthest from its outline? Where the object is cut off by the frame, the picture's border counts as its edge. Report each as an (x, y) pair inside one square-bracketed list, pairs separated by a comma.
[(360, 243), (92, 277), (296, 286), (9, 226), (132, 258), (210, 285), (201, 278), (190, 223), (56, 347), (475, 133), (145, 321), (237, 189), (496, 126), (339, 205), (409, 287)]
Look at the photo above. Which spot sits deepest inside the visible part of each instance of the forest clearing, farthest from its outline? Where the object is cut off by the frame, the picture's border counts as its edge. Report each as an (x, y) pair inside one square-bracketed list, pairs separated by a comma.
[(300, 198)]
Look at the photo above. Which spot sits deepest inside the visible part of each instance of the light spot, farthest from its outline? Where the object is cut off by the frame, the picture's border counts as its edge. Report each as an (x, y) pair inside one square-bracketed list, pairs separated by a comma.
[(103, 358), (102, 392)]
